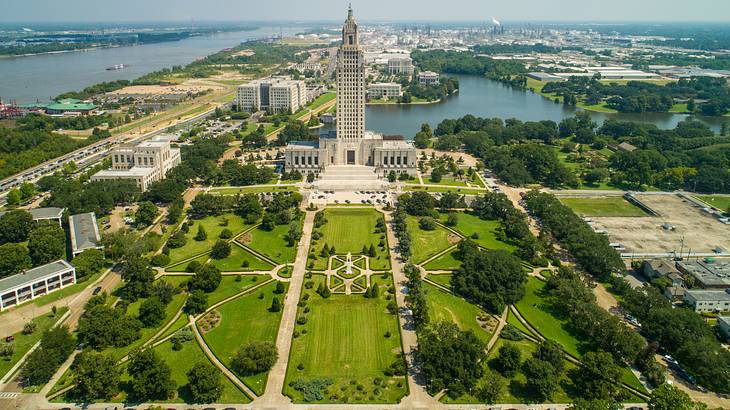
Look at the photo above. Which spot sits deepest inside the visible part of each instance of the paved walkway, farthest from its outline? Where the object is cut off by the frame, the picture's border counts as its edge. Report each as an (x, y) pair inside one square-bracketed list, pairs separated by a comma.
[(417, 397), (273, 396)]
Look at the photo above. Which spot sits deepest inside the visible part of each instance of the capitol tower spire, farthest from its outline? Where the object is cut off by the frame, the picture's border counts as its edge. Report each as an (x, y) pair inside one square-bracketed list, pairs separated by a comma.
[(350, 83)]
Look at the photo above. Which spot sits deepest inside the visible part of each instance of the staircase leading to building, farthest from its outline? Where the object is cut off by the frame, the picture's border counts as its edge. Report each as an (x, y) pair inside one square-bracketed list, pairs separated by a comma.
[(349, 178)]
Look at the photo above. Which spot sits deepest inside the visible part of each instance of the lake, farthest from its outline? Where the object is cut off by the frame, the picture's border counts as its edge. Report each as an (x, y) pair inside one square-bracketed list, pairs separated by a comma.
[(486, 98), (40, 77)]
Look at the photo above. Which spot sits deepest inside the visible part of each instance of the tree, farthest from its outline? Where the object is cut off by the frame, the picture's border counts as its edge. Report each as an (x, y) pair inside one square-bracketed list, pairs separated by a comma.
[(490, 278), (201, 235), (294, 233), (275, 305), (138, 275), (551, 352), (221, 250), (151, 312), (452, 219), (47, 243), (598, 378), (55, 347), (436, 175), (490, 388), (668, 397), (151, 376), (96, 376), (102, 326), (145, 214), (13, 259), (422, 140), (197, 302), (427, 223), (450, 358), (509, 359), (280, 287), (254, 357), (207, 278), (542, 379), (174, 212), (15, 226), (418, 204), (392, 176), (164, 291), (88, 263), (204, 383)]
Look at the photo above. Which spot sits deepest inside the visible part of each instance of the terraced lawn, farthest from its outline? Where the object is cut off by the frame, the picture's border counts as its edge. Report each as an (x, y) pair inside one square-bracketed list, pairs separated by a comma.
[(231, 285), (486, 231), (441, 279), (609, 206), (348, 230), (451, 308), (243, 320), (425, 244), (240, 257), (446, 261), (345, 339), (213, 226)]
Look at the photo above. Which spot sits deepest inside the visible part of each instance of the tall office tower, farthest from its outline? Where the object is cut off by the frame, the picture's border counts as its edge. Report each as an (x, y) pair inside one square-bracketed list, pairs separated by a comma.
[(350, 85)]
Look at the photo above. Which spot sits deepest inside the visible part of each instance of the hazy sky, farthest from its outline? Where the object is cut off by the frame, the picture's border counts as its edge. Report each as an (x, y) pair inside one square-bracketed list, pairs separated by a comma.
[(384, 10)]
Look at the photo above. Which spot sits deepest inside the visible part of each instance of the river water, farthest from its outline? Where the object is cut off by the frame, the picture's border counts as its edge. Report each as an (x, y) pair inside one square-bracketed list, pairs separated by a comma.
[(27, 79)]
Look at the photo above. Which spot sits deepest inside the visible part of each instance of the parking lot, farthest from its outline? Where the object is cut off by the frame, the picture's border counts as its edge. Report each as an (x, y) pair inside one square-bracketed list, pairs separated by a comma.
[(680, 227)]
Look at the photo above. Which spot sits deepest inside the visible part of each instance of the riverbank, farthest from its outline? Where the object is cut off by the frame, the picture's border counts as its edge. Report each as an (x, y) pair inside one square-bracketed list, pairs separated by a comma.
[(394, 102)]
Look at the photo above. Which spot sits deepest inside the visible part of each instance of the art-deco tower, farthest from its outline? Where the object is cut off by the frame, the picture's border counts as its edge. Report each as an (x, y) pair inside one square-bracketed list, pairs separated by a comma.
[(350, 84)]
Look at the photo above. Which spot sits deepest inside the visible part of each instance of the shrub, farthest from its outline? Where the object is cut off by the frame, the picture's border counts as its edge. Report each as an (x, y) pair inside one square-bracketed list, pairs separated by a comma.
[(427, 223), (254, 358), (30, 328), (226, 234), (160, 260)]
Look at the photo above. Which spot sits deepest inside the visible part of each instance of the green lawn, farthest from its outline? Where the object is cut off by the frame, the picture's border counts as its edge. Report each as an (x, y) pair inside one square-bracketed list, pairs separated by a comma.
[(441, 279), (450, 181), (229, 286), (322, 100), (213, 226), (273, 244), (425, 244), (348, 229), (451, 308), (469, 225), (23, 342), (183, 267), (446, 261), (512, 320), (235, 262), (721, 202), (610, 206), (243, 320), (345, 341), (182, 361), (534, 308)]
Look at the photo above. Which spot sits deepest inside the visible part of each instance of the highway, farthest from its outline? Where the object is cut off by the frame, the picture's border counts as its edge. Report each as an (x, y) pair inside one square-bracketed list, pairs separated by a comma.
[(84, 157)]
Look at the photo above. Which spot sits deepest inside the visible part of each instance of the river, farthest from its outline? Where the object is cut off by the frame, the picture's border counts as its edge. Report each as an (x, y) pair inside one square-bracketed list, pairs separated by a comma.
[(40, 77), (486, 98)]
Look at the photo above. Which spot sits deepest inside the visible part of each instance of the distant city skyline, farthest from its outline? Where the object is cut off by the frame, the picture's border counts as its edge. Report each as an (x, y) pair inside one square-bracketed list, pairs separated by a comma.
[(367, 10)]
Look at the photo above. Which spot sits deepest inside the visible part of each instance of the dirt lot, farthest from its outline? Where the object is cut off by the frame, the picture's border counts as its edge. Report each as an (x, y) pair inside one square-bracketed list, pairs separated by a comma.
[(701, 232), (188, 86)]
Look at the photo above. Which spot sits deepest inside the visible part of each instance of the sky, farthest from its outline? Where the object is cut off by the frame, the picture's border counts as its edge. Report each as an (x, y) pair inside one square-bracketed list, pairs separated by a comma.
[(365, 10)]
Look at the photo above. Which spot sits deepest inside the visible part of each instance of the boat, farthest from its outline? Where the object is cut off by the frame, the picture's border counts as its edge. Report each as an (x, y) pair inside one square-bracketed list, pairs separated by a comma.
[(117, 67)]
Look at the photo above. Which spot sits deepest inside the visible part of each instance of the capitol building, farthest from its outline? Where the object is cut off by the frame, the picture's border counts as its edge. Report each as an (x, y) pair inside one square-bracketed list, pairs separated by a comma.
[(351, 153)]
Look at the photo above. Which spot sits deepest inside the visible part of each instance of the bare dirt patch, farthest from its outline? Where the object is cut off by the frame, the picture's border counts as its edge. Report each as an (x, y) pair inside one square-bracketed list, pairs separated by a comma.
[(453, 238), (210, 321)]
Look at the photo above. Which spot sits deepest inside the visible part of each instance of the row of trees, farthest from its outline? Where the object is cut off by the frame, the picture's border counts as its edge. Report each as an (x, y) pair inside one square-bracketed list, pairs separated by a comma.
[(46, 242)]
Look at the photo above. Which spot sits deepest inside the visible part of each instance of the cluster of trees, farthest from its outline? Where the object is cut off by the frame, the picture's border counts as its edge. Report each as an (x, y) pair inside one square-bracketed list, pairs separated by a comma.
[(412, 88), (455, 62), (514, 226), (32, 122), (46, 242), (542, 371), (591, 250), (682, 333), (234, 173), (22, 149), (490, 278), (102, 326), (294, 131), (416, 297), (640, 96), (55, 347), (99, 197)]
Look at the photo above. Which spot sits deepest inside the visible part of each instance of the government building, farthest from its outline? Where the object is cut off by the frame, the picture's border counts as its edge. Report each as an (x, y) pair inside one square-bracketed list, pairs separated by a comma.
[(351, 150), (144, 164)]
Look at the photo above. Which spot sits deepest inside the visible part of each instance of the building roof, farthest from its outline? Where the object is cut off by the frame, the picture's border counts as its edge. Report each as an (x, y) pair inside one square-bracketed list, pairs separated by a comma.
[(625, 146), (302, 145), (125, 173), (661, 267), (84, 232), (708, 274), (34, 274), (43, 213), (704, 295), (71, 107)]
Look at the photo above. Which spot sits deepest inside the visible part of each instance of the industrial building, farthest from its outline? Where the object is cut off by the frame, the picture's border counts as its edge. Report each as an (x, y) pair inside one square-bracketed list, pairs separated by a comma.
[(272, 94), (35, 282), (145, 163), (707, 273)]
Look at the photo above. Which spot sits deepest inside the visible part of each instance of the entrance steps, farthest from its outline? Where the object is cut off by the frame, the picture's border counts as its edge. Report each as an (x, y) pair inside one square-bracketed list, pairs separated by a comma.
[(349, 178)]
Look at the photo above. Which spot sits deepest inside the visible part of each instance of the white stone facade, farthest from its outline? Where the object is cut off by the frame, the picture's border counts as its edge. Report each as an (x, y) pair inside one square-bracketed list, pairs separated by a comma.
[(272, 94), (428, 78), (400, 65), (385, 90), (145, 163)]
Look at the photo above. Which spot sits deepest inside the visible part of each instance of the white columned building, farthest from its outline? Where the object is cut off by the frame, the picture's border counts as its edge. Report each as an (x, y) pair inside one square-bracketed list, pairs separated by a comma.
[(351, 152)]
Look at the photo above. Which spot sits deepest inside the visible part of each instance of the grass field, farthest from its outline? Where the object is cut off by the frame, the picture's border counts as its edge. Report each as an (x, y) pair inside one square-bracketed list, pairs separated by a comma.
[(442, 279), (234, 262), (451, 308), (449, 181), (469, 225), (213, 226), (183, 267), (183, 360), (273, 244), (344, 339), (425, 244), (23, 342), (243, 320), (718, 201), (611, 206), (348, 229), (534, 308), (446, 261), (229, 286)]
